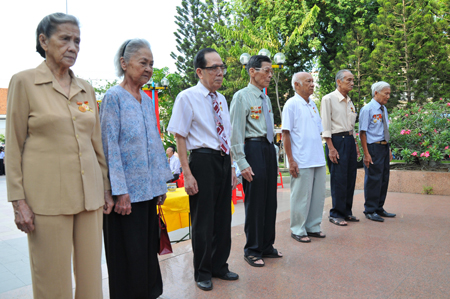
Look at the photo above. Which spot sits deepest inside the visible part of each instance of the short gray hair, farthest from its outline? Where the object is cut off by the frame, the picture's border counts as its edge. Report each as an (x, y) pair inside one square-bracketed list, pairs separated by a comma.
[(48, 26), (126, 50), (295, 79), (379, 86), (340, 75)]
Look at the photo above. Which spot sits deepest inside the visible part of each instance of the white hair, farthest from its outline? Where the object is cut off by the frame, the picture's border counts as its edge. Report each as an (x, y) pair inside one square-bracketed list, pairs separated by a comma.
[(126, 50), (295, 79), (340, 75), (379, 86)]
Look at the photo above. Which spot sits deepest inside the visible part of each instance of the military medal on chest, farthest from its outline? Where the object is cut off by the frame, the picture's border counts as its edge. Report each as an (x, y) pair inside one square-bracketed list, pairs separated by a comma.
[(377, 117), (255, 111), (83, 107)]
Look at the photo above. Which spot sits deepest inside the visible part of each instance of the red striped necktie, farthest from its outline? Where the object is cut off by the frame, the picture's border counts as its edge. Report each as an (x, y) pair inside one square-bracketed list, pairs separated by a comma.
[(219, 124)]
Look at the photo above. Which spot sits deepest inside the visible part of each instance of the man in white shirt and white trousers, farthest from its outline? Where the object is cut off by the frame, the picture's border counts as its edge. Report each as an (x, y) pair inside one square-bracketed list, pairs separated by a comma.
[(301, 128)]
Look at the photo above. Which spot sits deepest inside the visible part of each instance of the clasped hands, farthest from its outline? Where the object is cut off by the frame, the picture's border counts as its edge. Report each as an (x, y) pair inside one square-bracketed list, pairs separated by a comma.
[(122, 204)]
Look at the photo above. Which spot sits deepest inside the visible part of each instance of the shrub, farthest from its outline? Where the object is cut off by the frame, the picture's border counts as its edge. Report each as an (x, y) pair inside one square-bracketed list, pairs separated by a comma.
[(421, 132)]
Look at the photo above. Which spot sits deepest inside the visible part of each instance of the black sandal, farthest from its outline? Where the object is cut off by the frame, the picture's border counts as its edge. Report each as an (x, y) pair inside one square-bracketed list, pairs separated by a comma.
[(337, 221), (317, 235), (273, 255), (351, 218), (252, 259)]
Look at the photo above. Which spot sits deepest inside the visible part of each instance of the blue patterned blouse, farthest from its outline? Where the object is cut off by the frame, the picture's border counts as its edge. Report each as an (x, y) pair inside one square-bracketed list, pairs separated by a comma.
[(133, 149)]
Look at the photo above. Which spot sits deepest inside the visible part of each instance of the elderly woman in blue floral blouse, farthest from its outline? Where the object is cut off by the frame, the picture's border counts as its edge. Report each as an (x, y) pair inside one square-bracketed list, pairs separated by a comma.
[(138, 171)]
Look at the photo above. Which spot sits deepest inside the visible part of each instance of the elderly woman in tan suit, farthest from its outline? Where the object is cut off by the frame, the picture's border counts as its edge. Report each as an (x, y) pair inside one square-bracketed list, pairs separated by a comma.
[(57, 174)]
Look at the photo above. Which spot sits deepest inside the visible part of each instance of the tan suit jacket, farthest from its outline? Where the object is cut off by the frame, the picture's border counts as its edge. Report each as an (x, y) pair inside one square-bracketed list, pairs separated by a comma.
[(54, 155)]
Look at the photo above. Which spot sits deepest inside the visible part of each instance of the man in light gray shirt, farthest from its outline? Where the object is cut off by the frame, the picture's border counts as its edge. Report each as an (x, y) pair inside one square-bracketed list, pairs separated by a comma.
[(252, 147)]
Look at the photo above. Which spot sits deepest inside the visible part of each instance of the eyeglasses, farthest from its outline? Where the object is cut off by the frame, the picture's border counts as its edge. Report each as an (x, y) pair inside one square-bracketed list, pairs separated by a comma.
[(215, 69), (266, 70)]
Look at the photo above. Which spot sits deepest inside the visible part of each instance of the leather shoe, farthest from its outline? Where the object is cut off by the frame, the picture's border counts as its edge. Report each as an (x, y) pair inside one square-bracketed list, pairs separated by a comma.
[(374, 217), (386, 214), (229, 276), (205, 285)]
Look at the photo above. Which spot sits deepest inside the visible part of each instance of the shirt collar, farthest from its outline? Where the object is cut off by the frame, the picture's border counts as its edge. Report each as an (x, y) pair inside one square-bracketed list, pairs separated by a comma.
[(44, 75), (341, 97), (254, 90), (205, 91), (374, 103), (302, 100)]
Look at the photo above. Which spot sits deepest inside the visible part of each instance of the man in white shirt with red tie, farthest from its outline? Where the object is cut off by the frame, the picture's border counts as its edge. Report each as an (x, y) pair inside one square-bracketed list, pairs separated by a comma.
[(201, 124)]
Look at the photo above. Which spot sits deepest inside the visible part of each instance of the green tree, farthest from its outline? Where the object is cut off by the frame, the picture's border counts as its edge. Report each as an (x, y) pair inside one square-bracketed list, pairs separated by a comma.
[(167, 97), (278, 28), (354, 55), (335, 20), (195, 20), (102, 86), (410, 49)]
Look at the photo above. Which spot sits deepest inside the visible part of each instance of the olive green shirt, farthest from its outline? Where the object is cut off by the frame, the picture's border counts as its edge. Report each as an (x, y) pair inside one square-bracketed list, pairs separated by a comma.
[(247, 121)]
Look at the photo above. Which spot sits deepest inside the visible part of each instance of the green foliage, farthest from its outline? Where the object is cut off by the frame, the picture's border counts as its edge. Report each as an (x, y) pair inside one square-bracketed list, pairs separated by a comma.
[(195, 31), (410, 49), (102, 86), (279, 26), (168, 140), (167, 97), (354, 55), (421, 132), (2, 138), (336, 19), (428, 190)]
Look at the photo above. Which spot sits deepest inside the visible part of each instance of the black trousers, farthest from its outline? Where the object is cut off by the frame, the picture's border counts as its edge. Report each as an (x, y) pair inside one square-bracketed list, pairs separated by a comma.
[(376, 179), (342, 175), (131, 246), (260, 198), (211, 214), (2, 167)]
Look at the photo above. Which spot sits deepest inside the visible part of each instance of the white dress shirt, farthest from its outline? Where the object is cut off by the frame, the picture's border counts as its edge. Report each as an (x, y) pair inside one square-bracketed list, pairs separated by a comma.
[(193, 118), (303, 122), (174, 164)]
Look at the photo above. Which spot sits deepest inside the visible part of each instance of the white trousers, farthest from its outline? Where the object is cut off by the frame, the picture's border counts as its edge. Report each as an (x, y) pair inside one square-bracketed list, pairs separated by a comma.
[(307, 200)]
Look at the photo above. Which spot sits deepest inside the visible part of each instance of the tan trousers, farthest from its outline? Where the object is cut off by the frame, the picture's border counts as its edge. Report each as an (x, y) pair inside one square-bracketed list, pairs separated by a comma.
[(51, 245)]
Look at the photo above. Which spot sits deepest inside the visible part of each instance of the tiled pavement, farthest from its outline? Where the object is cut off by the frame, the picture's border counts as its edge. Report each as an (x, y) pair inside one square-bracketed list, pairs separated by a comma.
[(404, 257)]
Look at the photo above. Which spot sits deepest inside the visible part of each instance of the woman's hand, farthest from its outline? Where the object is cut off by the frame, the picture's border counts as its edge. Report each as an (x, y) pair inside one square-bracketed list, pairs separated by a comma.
[(23, 216), (123, 204), (109, 202), (161, 199)]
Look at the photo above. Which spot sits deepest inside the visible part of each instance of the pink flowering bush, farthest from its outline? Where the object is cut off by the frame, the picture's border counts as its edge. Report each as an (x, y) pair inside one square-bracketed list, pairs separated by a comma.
[(421, 132)]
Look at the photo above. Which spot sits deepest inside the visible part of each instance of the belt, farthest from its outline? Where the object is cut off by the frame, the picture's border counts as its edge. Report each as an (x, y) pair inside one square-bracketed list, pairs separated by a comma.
[(346, 133), (380, 142), (205, 150), (261, 139)]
